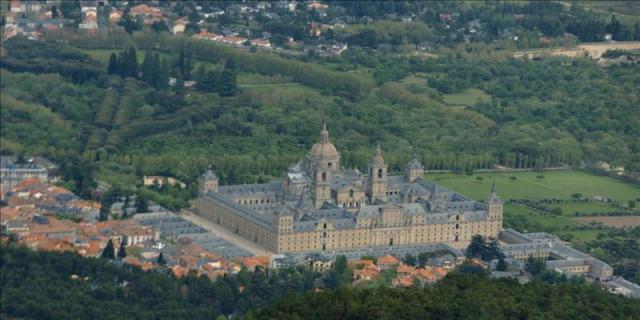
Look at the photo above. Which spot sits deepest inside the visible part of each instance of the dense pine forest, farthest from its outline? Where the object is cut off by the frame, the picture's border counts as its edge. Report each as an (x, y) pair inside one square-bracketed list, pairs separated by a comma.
[(47, 285)]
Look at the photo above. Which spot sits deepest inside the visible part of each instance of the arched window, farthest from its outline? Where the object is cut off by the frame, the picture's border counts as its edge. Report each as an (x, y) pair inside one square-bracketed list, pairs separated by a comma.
[(379, 173), (457, 217), (324, 226), (351, 193), (457, 226), (324, 176), (330, 165)]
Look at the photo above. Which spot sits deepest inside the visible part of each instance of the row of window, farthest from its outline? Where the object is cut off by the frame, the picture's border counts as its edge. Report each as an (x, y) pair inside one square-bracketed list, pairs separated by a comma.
[(256, 201)]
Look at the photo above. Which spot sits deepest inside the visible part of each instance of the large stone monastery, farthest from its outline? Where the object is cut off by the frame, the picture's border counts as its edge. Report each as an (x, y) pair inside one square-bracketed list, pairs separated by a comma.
[(318, 206)]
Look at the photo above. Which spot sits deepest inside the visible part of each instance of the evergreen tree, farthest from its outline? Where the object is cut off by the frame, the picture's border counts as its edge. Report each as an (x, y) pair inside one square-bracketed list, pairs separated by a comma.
[(188, 66), (476, 247), (502, 265), (409, 259), (200, 76), (122, 251), (227, 86), (132, 63), (108, 252), (210, 82), (148, 71), (423, 257), (535, 266), (127, 23), (104, 213), (178, 87), (112, 68), (179, 63), (163, 74), (121, 68), (341, 264), (161, 261), (142, 205)]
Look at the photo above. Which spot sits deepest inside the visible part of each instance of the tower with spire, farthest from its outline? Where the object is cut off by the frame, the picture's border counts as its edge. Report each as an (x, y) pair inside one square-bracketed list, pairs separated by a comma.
[(323, 161), (494, 205), (377, 186)]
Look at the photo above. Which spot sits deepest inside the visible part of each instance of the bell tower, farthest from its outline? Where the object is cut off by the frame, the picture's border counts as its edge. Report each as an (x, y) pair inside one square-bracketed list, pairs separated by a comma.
[(377, 188), (494, 209)]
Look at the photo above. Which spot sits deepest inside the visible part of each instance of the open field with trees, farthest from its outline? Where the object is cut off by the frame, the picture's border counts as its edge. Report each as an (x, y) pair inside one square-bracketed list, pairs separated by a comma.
[(548, 185), (551, 184)]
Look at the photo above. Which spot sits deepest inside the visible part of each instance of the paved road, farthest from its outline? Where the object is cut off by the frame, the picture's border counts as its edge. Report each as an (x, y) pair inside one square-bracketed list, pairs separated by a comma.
[(225, 234)]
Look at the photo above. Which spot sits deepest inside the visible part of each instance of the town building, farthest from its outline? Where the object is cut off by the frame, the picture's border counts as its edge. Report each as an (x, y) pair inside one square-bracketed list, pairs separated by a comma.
[(320, 206), (559, 256), (13, 172)]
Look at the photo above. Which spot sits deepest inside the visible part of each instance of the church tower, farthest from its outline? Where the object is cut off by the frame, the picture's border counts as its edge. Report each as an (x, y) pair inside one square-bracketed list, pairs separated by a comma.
[(323, 161), (494, 205), (414, 169), (207, 182), (377, 188)]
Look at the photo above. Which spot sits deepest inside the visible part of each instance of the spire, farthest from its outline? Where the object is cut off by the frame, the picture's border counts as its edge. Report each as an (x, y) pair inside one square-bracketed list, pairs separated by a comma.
[(493, 197), (324, 134), (377, 159)]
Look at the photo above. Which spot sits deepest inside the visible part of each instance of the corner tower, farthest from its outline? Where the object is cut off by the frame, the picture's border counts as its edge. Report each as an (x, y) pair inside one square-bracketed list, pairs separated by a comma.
[(323, 160), (414, 169), (377, 187), (208, 182)]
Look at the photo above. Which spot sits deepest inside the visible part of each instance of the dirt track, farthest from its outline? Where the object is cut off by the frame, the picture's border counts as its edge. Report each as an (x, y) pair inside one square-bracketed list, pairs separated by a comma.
[(616, 222), (592, 50)]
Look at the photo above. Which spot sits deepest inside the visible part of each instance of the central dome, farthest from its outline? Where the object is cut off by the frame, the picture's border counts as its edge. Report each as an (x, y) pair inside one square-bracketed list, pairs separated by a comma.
[(324, 148)]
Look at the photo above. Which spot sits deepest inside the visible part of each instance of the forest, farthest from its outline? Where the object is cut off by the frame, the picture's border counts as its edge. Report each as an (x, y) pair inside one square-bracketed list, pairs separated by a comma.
[(540, 113), (50, 285)]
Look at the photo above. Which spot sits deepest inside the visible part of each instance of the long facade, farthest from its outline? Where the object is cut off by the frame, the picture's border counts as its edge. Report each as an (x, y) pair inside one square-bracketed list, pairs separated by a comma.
[(319, 206)]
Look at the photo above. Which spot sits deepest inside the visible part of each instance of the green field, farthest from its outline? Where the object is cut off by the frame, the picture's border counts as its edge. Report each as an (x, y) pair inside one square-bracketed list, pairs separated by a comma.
[(466, 98), (568, 209), (555, 184)]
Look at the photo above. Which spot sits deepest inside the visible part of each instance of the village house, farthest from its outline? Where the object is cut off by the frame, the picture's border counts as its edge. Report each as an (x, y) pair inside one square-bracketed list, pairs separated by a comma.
[(234, 40), (128, 231), (115, 16), (179, 25), (261, 42), (388, 263), (162, 180), (204, 35), (317, 6)]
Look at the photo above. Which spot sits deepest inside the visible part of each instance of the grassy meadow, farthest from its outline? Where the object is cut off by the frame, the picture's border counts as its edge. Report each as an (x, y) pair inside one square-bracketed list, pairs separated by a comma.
[(555, 184)]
